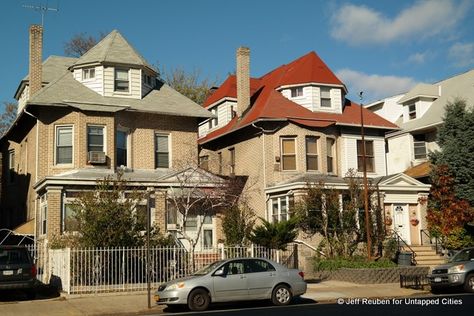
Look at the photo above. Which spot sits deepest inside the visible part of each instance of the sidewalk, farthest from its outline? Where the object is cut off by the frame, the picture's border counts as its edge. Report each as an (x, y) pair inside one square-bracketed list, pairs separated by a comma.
[(134, 303)]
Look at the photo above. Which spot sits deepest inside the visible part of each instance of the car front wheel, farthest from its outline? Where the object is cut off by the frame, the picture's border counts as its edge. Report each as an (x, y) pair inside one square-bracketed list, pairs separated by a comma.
[(281, 295), (469, 283), (198, 300)]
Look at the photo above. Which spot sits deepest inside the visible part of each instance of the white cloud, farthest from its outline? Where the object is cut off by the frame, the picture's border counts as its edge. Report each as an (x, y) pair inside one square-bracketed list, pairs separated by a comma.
[(417, 58), (374, 86), (462, 54), (362, 25)]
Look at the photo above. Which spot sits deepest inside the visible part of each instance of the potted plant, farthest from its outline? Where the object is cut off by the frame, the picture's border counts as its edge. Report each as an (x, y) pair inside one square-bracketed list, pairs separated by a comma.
[(388, 221), (414, 221)]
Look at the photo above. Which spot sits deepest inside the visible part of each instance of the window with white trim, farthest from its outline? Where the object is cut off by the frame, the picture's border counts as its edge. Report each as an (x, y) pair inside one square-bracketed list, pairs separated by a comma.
[(122, 80), (11, 166), (369, 156), (419, 147), (122, 148), (412, 111), (70, 222), (95, 138), (311, 153), (208, 238), (281, 208), (288, 153), (64, 146), (296, 92), (162, 152), (88, 73), (43, 225), (325, 97), (330, 154)]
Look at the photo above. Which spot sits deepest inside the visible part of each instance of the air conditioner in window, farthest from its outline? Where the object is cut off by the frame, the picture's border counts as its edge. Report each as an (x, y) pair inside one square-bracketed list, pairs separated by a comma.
[(96, 157)]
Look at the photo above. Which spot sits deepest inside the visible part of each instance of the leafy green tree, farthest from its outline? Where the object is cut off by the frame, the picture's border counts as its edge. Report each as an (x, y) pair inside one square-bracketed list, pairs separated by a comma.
[(341, 226), (8, 117), (456, 142), (237, 224), (107, 216), (275, 235)]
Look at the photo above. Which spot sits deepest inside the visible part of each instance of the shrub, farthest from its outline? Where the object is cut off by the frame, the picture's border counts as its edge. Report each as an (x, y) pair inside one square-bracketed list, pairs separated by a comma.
[(352, 263)]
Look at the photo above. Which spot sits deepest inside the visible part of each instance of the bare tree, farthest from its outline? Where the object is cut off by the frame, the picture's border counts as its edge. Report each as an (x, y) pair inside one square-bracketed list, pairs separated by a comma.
[(8, 117), (196, 194), (189, 84), (80, 43)]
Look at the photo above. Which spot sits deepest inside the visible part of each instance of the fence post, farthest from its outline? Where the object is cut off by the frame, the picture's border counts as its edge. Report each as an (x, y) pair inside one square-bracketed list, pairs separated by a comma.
[(68, 271), (221, 246), (252, 251), (278, 255)]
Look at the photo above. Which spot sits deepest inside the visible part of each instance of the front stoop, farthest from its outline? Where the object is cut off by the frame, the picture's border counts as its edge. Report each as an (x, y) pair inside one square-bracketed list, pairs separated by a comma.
[(426, 256)]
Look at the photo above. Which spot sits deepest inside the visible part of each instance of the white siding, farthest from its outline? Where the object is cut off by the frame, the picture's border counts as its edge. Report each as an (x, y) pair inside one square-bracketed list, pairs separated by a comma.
[(203, 128), (422, 106), (146, 88), (349, 154), (400, 153), (311, 99), (95, 84), (135, 86), (24, 96)]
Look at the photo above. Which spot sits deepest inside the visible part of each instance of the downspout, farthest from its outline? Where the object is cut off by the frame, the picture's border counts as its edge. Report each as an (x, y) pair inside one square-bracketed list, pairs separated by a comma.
[(263, 157)]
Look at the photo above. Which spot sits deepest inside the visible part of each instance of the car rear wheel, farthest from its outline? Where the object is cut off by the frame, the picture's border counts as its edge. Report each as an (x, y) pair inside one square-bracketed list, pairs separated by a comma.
[(281, 295), (198, 300), (469, 283)]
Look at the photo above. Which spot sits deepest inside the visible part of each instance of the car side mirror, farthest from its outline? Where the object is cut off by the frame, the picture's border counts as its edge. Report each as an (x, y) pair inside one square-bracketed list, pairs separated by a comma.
[(220, 273)]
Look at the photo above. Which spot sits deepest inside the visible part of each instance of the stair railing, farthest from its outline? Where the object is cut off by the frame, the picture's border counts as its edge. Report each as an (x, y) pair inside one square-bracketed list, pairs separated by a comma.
[(438, 248), (400, 241)]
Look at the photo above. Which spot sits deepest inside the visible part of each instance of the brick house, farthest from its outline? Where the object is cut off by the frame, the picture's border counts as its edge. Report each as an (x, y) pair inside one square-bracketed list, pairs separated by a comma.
[(79, 120), (294, 126)]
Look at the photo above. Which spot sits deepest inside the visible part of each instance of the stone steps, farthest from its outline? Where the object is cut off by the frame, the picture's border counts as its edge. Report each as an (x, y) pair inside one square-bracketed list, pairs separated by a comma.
[(426, 256)]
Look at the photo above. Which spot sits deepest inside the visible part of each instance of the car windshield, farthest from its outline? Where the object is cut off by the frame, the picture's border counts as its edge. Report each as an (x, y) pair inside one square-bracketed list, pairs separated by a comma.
[(463, 255), (208, 268)]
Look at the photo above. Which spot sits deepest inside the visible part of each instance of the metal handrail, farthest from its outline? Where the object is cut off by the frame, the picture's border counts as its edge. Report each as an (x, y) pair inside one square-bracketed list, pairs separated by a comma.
[(399, 241), (428, 234)]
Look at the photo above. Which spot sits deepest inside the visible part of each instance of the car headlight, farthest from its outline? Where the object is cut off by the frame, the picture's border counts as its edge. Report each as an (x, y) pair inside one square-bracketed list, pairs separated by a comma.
[(175, 286), (456, 269)]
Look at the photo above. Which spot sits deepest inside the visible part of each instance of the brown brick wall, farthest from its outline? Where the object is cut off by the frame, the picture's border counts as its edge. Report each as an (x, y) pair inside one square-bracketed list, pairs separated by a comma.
[(35, 62), (54, 212)]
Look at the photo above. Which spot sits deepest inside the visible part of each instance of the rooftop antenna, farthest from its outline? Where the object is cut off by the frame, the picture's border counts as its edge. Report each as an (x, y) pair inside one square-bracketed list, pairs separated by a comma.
[(43, 9)]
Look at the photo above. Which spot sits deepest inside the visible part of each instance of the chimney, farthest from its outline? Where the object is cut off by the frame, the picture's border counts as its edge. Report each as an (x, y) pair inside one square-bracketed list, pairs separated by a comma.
[(243, 79), (36, 47)]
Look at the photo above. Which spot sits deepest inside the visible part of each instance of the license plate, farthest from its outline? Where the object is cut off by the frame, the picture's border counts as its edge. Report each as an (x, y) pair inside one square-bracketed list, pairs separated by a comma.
[(8, 272), (437, 279), (156, 298)]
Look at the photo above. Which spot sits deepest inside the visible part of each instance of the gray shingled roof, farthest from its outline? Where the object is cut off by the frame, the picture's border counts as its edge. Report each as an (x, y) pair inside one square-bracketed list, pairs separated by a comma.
[(460, 86), (53, 68), (421, 90), (66, 91), (113, 49)]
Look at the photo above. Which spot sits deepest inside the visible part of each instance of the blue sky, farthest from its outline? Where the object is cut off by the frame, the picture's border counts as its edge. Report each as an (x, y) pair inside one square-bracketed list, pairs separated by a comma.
[(380, 47)]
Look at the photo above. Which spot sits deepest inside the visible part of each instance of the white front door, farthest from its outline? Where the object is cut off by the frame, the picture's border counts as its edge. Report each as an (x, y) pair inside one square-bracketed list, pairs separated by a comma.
[(401, 223)]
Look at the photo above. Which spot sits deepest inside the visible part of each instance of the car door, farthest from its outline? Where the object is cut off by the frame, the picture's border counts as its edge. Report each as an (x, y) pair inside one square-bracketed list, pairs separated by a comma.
[(261, 276), (232, 284)]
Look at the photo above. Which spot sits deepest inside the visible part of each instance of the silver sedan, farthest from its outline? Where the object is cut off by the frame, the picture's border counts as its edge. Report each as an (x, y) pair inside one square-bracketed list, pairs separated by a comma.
[(238, 279)]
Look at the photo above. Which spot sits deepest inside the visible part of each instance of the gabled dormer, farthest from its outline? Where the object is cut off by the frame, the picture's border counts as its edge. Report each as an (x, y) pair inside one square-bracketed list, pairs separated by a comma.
[(113, 68), (418, 100)]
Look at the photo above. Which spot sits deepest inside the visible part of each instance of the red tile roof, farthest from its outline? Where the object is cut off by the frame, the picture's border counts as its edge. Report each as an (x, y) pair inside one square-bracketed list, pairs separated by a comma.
[(269, 104)]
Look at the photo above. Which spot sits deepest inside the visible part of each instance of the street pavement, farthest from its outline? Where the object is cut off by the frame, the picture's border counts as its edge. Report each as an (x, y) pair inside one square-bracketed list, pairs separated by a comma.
[(136, 303)]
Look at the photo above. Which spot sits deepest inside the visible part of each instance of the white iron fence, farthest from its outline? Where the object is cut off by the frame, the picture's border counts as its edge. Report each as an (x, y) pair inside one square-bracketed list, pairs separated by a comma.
[(95, 270)]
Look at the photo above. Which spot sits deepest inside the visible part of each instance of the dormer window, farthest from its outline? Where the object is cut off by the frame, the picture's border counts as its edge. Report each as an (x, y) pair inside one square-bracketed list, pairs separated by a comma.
[(122, 81), (412, 111), (325, 97), (88, 73), (148, 80), (296, 92)]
